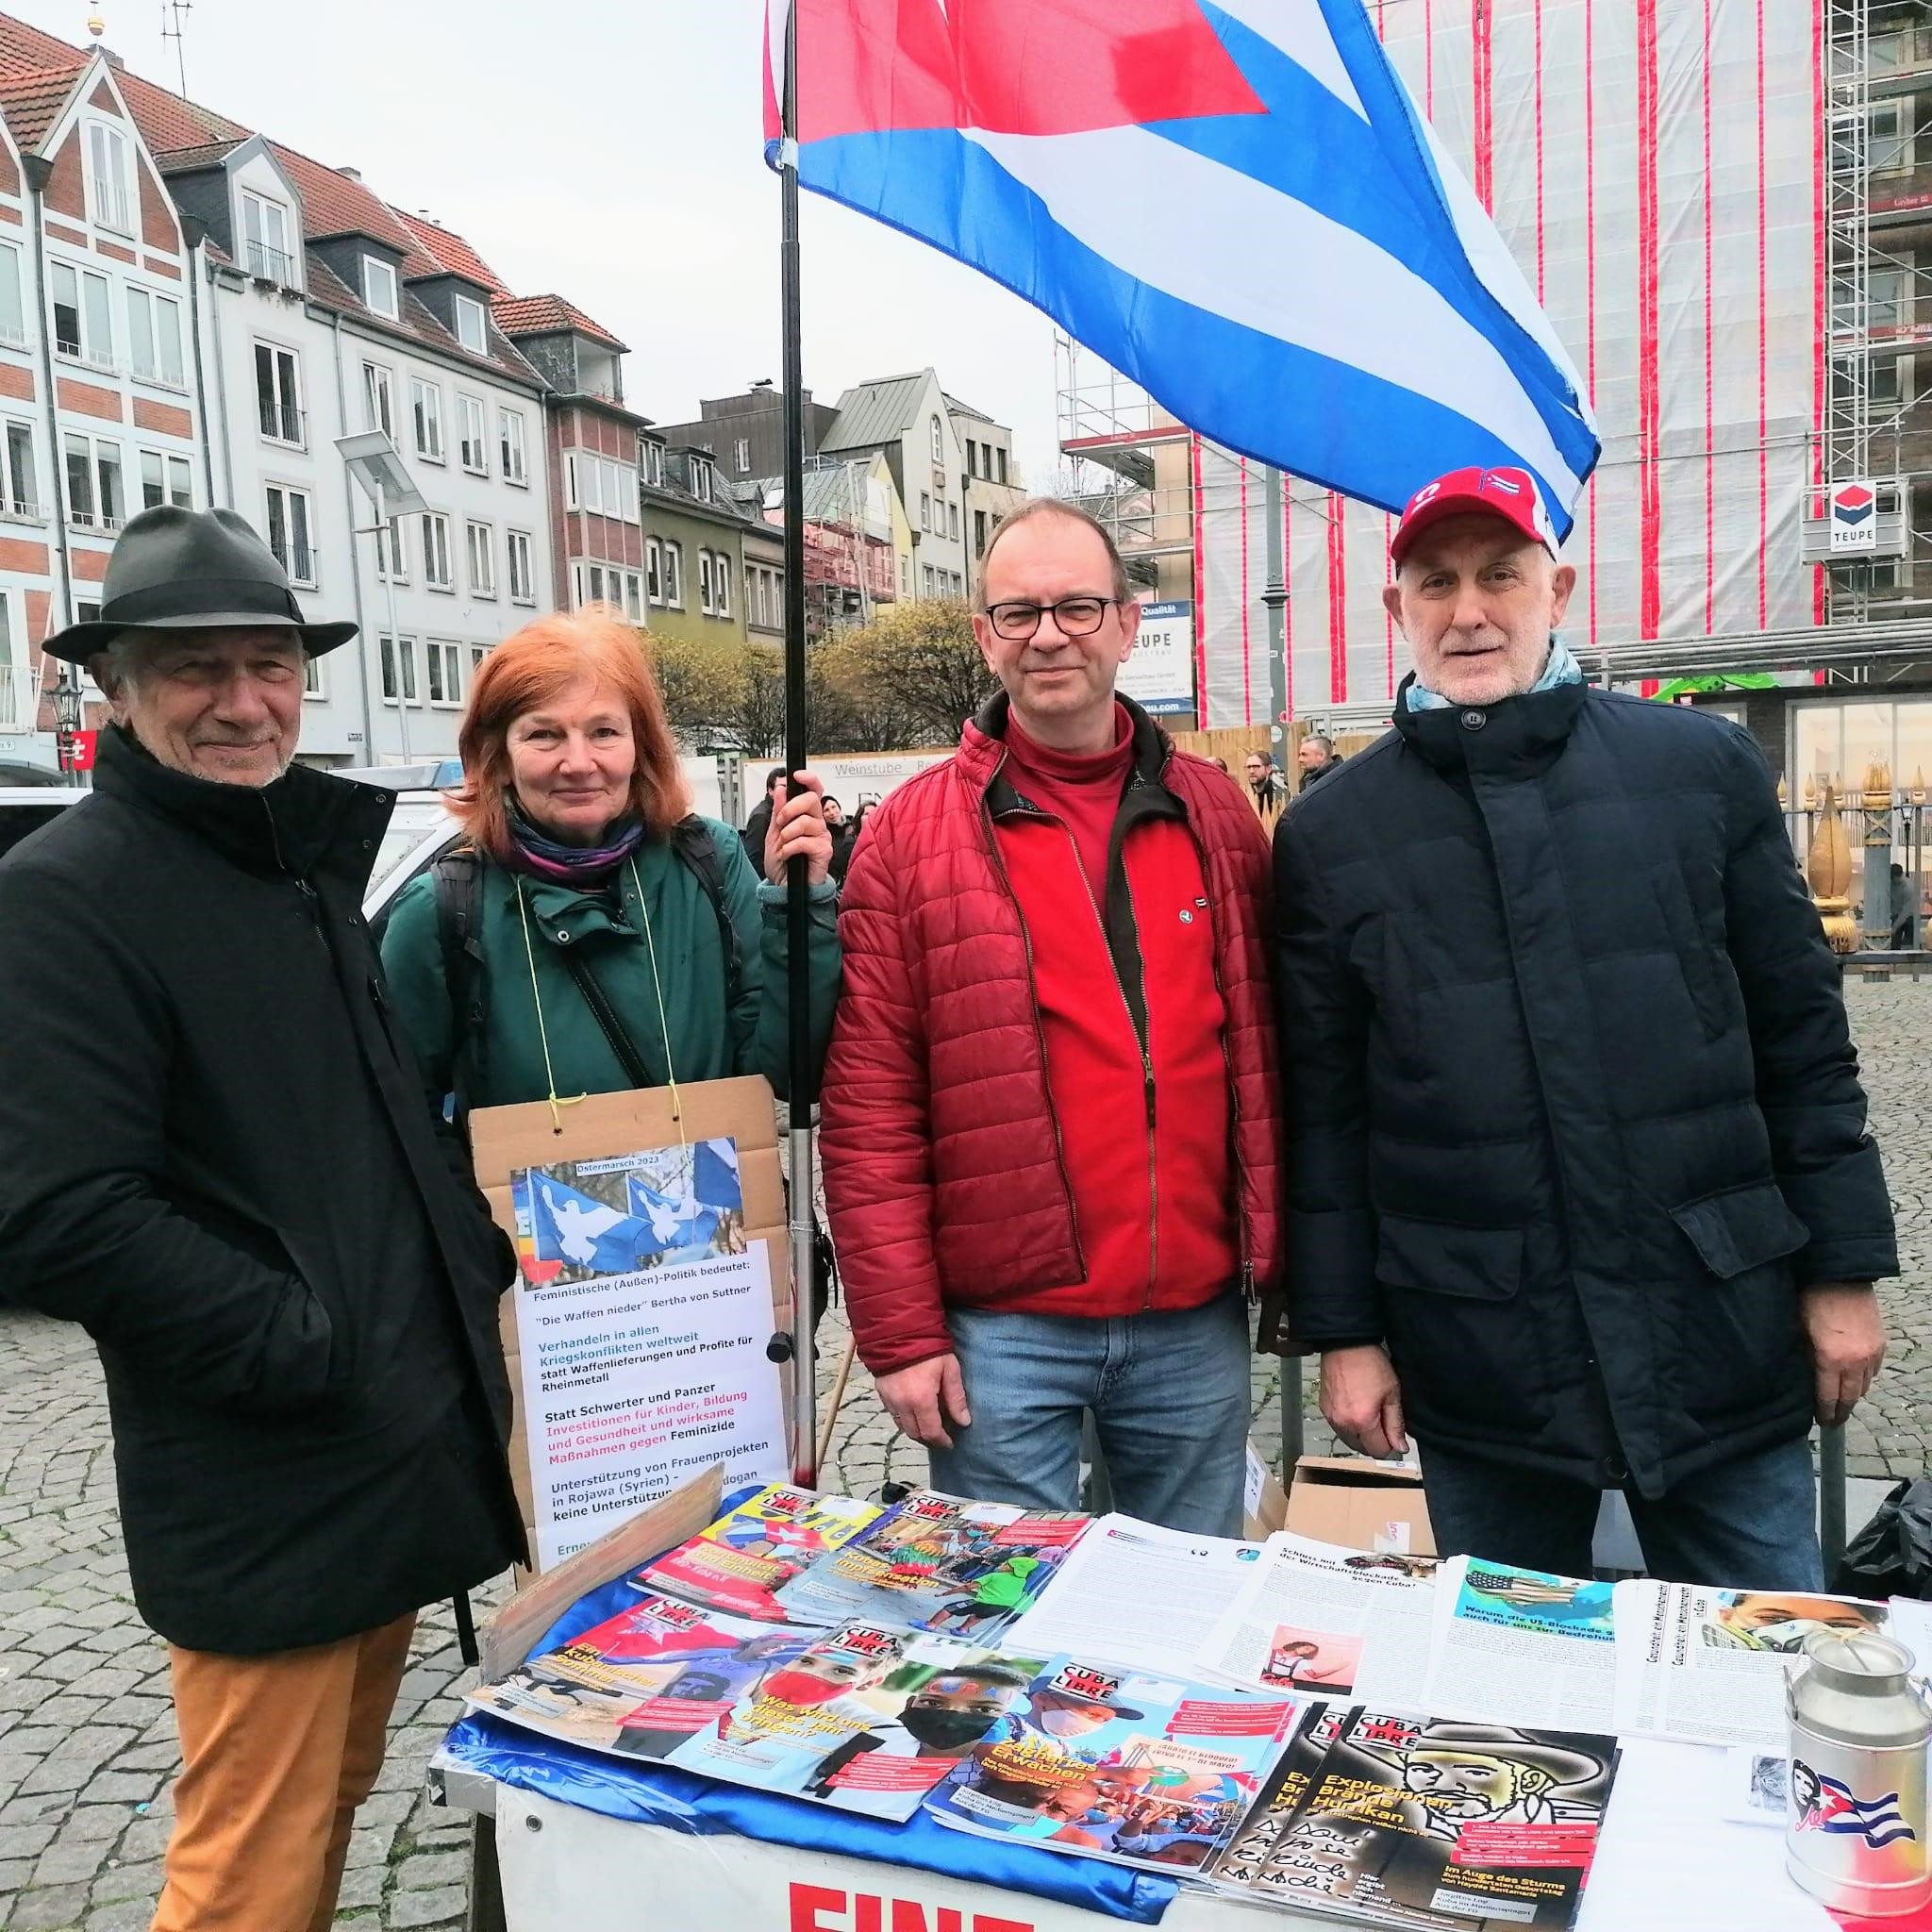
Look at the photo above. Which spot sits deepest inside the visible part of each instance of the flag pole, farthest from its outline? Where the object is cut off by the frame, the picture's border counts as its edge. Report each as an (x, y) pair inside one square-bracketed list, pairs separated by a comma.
[(803, 1082)]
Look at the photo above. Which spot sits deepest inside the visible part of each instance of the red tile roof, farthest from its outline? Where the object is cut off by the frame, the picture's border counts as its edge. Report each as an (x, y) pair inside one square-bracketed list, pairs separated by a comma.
[(450, 254), (31, 102), (543, 315), (332, 204)]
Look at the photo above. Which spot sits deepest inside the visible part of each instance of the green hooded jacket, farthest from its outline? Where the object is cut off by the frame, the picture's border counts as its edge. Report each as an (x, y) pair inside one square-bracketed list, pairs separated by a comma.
[(708, 1041)]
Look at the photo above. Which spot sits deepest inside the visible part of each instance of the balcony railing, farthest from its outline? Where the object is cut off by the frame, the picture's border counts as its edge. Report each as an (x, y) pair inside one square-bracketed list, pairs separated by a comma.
[(93, 520), (282, 422), (19, 697), (17, 509), (298, 559), (270, 264)]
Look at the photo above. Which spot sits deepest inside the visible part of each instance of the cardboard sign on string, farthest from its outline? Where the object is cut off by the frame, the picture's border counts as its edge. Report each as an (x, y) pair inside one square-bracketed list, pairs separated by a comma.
[(653, 1277)]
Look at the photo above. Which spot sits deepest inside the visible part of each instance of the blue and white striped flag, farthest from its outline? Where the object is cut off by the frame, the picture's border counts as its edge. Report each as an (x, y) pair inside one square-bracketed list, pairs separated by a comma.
[(1235, 202)]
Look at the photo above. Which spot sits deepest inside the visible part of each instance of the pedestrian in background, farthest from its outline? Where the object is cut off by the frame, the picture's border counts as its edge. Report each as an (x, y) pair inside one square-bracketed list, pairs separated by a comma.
[(759, 826), (842, 836), (215, 1157), (1579, 1187), (1266, 786), (1317, 757), (1051, 1115), (589, 895)]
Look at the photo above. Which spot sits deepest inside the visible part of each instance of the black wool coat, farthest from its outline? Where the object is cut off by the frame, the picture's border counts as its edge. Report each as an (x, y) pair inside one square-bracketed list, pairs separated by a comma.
[(215, 1156), (1573, 1107)]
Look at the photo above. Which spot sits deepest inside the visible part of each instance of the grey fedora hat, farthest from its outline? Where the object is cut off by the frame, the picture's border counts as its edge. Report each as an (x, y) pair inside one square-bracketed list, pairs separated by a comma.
[(177, 569)]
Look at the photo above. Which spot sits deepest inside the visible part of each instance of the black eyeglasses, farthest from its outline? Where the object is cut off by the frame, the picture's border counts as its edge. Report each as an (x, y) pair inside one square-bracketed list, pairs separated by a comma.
[(1074, 617)]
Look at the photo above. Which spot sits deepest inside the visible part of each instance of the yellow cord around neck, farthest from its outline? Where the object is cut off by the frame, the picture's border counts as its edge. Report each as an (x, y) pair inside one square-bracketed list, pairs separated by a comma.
[(543, 1031), (657, 987)]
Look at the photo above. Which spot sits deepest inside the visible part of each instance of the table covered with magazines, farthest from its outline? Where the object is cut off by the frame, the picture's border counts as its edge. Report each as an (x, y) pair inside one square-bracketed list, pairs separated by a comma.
[(818, 1715)]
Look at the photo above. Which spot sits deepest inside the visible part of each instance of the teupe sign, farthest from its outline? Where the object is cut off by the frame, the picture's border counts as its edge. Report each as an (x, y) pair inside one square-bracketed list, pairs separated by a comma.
[(1854, 517)]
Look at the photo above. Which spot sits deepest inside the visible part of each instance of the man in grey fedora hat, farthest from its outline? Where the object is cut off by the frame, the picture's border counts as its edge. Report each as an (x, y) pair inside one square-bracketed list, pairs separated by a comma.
[(215, 1157)]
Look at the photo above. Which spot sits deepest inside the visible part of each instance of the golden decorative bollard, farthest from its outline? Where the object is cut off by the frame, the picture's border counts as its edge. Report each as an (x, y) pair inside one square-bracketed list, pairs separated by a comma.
[(1828, 870)]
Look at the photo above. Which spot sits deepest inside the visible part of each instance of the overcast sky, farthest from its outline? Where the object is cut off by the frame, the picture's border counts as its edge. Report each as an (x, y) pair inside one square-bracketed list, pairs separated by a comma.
[(609, 151)]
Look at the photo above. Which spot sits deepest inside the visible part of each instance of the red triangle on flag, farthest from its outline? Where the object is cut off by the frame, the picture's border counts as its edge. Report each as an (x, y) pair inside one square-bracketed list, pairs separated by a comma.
[(1009, 66)]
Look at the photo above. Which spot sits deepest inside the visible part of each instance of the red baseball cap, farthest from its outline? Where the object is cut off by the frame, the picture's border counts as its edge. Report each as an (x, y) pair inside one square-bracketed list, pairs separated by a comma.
[(1511, 495)]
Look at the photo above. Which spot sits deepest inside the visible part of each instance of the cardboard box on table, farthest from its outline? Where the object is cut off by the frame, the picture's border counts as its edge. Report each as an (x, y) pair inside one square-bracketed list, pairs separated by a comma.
[(1361, 1505), (504, 1140)]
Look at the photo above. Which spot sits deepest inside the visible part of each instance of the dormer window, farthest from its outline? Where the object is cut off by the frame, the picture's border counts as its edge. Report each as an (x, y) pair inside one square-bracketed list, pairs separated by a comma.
[(469, 326), (379, 286), (652, 455), (109, 180), (702, 478), (265, 249)]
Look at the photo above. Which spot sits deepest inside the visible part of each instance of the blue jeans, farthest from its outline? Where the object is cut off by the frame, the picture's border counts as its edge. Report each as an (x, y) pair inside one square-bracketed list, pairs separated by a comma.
[(1170, 1398), (1751, 1523)]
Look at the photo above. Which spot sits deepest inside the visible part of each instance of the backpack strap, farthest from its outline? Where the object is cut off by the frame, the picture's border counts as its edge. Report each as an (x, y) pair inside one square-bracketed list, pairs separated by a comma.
[(459, 895), (691, 839)]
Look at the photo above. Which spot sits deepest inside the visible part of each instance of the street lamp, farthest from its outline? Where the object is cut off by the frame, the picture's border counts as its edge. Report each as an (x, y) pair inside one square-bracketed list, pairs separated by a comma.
[(375, 463), (69, 716)]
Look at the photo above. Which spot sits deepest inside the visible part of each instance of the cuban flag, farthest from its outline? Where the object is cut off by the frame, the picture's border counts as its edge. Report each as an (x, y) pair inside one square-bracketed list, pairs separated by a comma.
[(1235, 202), (1874, 1819)]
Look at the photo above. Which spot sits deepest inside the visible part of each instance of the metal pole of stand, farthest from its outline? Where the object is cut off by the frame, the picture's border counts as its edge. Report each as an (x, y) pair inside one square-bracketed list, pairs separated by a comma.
[(1831, 1500), (1292, 1433)]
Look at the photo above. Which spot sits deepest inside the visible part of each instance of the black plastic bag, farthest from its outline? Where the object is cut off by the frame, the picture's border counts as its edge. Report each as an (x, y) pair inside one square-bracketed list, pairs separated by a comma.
[(1893, 1555)]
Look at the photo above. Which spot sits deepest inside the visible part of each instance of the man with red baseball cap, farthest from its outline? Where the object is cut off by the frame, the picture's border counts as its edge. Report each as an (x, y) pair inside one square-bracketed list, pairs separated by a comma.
[(1579, 1187)]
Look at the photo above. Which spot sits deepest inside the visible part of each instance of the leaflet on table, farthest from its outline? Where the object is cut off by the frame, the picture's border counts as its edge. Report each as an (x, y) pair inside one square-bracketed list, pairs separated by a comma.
[(1708, 1666), (1333, 1622), (1122, 1765), (933, 1562), (1137, 1595), (740, 1561), (1418, 1821), (1521, 1647), (863, 1718)]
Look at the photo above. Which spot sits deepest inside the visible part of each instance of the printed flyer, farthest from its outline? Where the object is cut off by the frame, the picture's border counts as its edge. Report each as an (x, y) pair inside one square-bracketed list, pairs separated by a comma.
[(642, 1318), (1328, 1621), (862, 1718), (741, 1559), (1122, 1765), (1521, 1647), (1412, 1820), (1708, 1665), (932, 1563)]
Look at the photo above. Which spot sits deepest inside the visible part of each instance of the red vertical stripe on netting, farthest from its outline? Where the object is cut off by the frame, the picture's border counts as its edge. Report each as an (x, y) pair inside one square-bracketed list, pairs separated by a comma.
[(1200, 592), (1650, 505), (1429, 59), (1247, 605), (1763, 326), (1288, 603), (1337, 600), (1590, 259), (1539, 251), (1480, 57), (1709, 365), (1817, 281)]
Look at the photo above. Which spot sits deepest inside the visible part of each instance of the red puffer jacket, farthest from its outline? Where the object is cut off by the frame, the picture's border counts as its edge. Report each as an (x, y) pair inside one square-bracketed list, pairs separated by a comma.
[(942, 1159)]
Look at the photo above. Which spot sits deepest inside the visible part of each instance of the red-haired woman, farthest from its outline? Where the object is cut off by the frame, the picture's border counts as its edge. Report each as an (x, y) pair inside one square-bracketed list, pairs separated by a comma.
[(619, 941)]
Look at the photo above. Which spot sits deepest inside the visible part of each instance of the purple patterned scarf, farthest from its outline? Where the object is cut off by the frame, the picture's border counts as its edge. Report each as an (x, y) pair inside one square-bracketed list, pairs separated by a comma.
[(572, 865)]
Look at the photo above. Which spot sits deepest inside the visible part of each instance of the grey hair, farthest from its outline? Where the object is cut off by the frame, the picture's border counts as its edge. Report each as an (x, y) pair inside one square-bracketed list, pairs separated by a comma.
[(1322, 738), (117, 665), (1036, 507)]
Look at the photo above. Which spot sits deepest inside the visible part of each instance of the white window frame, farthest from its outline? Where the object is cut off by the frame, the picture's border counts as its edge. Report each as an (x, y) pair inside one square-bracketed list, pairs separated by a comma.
[(721, 583), (472, 452), (181, 484), (653, 459), (22, 503), (379, 398), (96, 516), (111, 204), (585, 583), (438, 564), (425, 418), (483, 581), (673, 573), (396, 543), (174, 476), (314, 686), (466, 305), (444, 655), (376, 273), (89, 325), (742, 450), (12, 298), (520, 578), (281, 405), (953, 522), (151, 336), (939, 446), (634, 596), (513, 449), (654, 572), (705, 574), (393, 651), (704, 480), (256, 211), (926, 509), (290, 495)]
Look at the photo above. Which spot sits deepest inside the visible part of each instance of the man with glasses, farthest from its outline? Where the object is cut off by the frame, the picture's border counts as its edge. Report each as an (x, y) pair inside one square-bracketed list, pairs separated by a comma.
[(1052, 1140)]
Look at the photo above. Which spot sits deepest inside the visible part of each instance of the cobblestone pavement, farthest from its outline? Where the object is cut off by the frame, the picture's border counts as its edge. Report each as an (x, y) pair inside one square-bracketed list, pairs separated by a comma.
[(87, 1738)]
